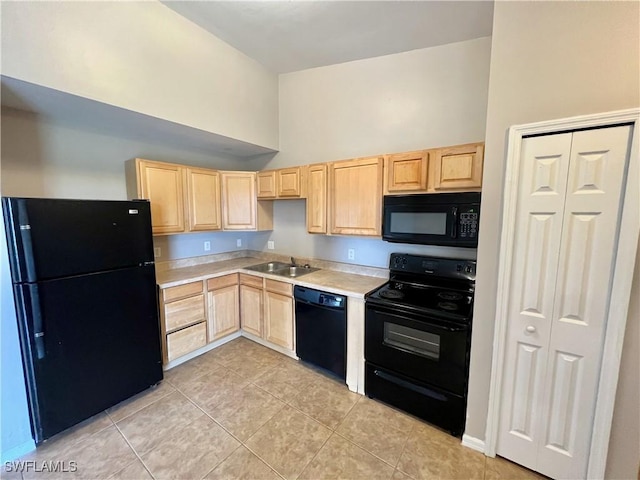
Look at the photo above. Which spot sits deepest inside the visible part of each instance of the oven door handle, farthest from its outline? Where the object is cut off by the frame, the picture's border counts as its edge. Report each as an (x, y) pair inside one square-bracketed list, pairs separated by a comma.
[(410, 386), (431, 324)]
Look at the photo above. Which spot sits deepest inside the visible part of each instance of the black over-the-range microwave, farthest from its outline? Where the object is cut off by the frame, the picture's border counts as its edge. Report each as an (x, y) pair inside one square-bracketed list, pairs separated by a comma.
[(449, 219)]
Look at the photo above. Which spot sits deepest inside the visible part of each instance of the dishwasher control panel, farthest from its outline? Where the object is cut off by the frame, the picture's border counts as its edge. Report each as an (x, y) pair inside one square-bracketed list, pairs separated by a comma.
[(316, 297)]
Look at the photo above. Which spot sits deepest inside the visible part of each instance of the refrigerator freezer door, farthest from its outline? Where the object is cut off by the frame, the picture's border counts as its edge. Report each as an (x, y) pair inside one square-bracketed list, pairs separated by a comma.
[(53, 238), (97, 343)]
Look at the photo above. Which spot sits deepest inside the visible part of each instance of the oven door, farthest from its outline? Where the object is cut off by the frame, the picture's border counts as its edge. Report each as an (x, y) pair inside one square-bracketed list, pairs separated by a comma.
[(419, 347)]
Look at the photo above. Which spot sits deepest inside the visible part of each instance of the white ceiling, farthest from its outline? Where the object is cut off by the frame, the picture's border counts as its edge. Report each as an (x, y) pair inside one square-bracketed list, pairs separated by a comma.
[(287, 36)]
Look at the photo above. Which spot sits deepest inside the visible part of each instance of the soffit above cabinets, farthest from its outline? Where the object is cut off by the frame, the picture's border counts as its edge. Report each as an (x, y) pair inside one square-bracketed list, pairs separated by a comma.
[(77, 111), (287, 36)]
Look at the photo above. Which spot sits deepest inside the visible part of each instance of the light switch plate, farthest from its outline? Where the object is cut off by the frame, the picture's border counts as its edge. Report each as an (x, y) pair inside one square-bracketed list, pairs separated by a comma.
[(207, 246), (270, 245), (239, 242), (157, 252), (351, 254)]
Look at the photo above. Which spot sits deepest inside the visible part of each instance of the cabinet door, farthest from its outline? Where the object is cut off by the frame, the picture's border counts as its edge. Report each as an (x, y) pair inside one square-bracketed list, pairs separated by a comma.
[(224, 312), (458, 167), (279, 319), (355, 197), (266, 184), (406, 172), (289, 182), (317, 199), (163, 185), (239, 200), (251, 309), (203, 199)]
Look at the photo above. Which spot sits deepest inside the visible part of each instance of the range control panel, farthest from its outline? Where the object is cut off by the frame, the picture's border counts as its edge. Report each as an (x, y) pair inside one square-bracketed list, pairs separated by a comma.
[(439, 267)]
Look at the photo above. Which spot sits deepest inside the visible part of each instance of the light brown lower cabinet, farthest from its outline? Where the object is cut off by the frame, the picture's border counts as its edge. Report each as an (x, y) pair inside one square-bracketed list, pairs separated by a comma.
[(223, 314), (186, 341), (251, 293), (183, 319), (279, 319), (266, 310)]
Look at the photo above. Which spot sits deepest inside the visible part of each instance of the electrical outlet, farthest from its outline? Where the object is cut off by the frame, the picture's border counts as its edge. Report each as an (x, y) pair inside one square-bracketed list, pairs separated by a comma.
[(351, 254), (157, 252), (239, 242), (207, 246), (270, 245)]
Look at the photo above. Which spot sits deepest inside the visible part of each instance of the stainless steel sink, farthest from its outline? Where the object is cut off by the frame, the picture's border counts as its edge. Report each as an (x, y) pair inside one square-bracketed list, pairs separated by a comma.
[(295, 271), (269, 267), (282, 269)]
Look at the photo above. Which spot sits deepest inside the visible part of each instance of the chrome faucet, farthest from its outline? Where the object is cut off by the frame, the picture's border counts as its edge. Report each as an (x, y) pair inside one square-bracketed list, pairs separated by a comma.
[(293, 262)]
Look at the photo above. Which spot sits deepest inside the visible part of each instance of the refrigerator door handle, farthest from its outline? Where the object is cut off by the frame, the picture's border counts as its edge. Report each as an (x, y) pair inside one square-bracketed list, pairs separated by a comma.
[(39, 341), (36, 315)]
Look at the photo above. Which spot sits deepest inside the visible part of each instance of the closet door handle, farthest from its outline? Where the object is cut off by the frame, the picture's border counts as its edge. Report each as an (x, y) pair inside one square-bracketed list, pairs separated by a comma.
[(530, 329)]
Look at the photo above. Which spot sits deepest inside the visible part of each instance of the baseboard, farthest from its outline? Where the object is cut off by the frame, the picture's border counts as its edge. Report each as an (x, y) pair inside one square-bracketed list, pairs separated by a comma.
[(270, 345), (18, 451), (473, 443)]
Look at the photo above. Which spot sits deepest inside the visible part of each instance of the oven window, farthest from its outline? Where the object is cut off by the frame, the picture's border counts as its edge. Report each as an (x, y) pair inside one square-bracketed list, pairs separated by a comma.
[(415, 341), (429, 223)]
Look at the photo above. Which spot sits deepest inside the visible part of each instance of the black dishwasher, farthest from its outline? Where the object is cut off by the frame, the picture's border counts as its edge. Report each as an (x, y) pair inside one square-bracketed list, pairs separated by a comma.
[(321, 330)]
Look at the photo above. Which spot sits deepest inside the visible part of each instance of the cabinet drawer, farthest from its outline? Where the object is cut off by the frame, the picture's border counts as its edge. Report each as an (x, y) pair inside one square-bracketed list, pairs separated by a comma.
[(221, 282), (186, 290), (279, 287), (251, 280), (184, 312), (187, 340)]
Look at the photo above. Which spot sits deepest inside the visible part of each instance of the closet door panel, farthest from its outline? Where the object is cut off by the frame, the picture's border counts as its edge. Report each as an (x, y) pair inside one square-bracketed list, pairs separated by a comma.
[(590, 231), (542, 189)]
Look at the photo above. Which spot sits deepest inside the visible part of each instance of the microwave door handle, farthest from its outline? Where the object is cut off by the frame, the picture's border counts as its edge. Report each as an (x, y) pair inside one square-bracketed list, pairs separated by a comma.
[(454, 226)]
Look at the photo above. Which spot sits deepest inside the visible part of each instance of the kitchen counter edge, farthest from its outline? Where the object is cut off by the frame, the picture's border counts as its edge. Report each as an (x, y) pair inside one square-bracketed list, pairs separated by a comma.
[(341, 283)]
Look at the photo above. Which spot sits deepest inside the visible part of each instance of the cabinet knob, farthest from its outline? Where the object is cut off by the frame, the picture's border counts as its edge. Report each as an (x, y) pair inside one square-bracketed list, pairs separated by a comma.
[(530, 329)]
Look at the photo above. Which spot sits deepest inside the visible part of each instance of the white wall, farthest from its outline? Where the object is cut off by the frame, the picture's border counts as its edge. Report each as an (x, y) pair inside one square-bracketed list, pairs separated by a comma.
[(420, 99), (550, 60), (424, 98), (144, 57)]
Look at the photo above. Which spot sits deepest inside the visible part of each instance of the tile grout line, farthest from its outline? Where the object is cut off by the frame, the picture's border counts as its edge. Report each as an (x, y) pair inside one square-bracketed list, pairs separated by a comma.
[(134, 452), (141, 408), (241, 443)]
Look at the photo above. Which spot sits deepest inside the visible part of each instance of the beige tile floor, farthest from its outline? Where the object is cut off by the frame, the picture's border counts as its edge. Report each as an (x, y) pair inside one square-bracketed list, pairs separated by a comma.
[(245, 411)]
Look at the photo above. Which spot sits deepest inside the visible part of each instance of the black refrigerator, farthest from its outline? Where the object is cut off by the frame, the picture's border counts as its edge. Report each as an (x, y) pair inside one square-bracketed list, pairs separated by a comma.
[(84, 285)]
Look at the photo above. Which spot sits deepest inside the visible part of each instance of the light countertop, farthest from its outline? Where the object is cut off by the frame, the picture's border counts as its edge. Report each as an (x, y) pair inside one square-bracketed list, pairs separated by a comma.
[(341, 283)]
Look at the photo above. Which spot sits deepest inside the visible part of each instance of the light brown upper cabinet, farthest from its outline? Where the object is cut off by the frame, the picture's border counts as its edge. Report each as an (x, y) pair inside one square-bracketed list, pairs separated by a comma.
[(203, 199), (317, 199), (355, 196), (281, 184), (183, 199), (163, 185), (240, 208), (290, 182), (266, 184), (406, 172), (457, 168)]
